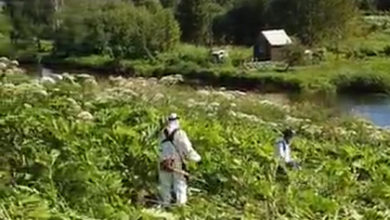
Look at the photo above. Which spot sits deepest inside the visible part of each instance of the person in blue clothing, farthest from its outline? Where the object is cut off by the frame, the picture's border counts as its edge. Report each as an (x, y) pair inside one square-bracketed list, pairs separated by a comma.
[(283, 150)]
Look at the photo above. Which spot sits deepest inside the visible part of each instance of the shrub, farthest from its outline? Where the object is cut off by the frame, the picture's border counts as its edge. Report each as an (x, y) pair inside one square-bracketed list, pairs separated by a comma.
[(186, 53), (362, 82), (386, 50), (294, 54), (353, 53), (238, 55), (93, 61), (368, 52), (120, 30)]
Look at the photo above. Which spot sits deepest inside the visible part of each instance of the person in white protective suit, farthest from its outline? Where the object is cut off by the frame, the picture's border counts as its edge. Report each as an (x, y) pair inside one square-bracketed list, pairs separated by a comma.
[(175, 149), (283, 151)]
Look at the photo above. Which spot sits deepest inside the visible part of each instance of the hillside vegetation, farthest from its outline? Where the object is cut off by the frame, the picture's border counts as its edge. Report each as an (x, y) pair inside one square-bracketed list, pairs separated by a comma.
[(81, 149)]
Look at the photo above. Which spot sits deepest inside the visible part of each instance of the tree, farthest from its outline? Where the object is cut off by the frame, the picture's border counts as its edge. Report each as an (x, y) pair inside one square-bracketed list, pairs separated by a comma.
[(226, 3), (195, 18), (383, 5), (31, 20), (313, 21), (72, 31), (366, 4), (242, 24), (170, 3), (120, 30)]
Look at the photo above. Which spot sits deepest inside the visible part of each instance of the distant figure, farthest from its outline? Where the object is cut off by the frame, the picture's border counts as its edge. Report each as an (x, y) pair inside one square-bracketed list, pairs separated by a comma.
[(283, 151), (175, 148), (48, 76), (219, 56)]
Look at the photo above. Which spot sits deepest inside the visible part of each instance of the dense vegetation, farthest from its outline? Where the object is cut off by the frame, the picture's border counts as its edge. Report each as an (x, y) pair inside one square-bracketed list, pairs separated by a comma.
[(239, 20), (124, 28), (153, 38), (79, 149), (82, 149)]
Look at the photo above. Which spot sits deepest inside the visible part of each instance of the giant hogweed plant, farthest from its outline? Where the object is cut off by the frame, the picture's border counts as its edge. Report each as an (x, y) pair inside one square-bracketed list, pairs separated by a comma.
[(84, 150)]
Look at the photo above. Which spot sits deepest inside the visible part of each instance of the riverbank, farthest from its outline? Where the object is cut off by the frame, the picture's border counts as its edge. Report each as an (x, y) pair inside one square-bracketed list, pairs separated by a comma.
[(373, 106), (370, 75)]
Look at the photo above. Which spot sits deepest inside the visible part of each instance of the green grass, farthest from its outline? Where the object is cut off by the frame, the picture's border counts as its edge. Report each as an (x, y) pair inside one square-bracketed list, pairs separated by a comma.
[(56, 164), (5, 27), (367, 75), (5, 46), (93, 61), (374, 36), (375, 41)]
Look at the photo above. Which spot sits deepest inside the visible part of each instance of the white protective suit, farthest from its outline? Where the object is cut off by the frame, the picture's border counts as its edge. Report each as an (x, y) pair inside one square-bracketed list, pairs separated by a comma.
[(282, 151), (181, 148)]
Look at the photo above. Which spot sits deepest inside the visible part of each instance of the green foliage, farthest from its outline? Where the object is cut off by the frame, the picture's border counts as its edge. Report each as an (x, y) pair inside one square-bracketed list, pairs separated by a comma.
[(241, 24), (383, 5), (186, 53), (31, 19), (294, 54), (366, 4), (370, 41), (120, 30), (5, 25), (239, 55), (195, 18), (170, 3), (71, 36), (194, 63), (386, 50), (5, 46), (56, 164), (363, 82), (93, 62), (368, 52), (315, 20)]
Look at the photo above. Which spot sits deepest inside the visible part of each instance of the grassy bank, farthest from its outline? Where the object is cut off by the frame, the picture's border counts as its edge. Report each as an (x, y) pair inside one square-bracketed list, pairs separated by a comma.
[(370, 75), (85, 150)]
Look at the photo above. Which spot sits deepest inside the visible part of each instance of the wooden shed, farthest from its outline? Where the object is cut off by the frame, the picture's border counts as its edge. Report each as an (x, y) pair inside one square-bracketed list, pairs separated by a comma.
[(270, 45)]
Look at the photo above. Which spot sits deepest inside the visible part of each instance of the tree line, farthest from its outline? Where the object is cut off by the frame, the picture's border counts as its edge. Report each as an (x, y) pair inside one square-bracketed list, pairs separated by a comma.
[(143, 28)]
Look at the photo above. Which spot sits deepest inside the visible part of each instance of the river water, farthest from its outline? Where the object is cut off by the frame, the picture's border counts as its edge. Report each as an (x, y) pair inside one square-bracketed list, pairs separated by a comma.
[(374, 107)]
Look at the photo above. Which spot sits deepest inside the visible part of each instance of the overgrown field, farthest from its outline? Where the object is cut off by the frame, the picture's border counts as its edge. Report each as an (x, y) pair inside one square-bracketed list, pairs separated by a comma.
[(85, 150)]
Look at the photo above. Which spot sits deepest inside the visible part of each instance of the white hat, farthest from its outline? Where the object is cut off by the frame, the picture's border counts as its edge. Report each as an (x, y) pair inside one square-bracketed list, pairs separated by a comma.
[(173, 116)]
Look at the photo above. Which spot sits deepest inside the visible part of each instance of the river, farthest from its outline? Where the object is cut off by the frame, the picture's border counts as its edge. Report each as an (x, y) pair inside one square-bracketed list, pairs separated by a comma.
[(374, 107)]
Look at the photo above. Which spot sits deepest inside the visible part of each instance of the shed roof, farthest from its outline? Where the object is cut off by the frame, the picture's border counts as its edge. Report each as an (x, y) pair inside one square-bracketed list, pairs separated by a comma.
[(276, 37)]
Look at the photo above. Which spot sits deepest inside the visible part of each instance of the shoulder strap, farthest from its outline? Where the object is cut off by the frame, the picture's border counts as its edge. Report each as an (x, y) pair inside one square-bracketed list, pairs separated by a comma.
[(166, 134), (170, 137), (284, 145), (283, 142)]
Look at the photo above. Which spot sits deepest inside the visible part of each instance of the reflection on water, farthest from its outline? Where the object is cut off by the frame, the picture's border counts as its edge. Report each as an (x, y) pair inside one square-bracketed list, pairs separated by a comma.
[(37, 70), (373, 107)]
